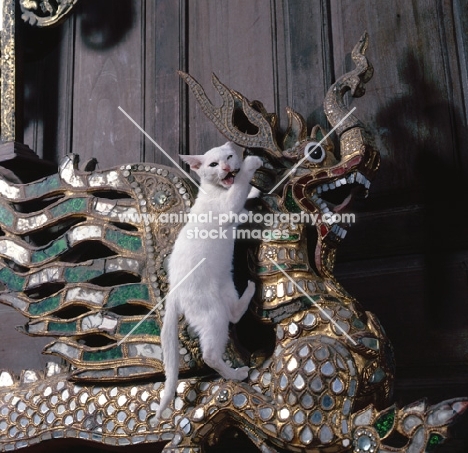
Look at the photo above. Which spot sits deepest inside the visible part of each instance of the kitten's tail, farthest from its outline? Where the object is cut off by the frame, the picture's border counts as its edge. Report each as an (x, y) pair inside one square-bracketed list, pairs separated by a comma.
[(170, 348)]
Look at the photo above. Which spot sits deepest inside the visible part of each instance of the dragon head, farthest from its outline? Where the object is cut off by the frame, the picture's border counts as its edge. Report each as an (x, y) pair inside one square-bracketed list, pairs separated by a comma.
[(304, 171)]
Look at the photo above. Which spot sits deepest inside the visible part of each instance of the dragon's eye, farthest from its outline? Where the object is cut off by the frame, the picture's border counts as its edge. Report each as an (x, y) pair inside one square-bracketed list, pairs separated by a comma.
[(214, 164), (230, 155), (314, 153)]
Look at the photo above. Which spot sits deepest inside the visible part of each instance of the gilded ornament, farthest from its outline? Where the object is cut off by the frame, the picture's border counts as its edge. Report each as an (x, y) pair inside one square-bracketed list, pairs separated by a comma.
[(324, 383)]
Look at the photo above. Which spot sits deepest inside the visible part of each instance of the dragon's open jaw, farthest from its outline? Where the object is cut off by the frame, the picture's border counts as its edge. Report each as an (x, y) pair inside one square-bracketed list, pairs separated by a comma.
[(335, 196)]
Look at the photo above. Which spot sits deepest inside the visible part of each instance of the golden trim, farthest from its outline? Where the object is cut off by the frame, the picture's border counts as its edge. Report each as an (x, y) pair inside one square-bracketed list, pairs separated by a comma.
[(51, 14), (8, 73)]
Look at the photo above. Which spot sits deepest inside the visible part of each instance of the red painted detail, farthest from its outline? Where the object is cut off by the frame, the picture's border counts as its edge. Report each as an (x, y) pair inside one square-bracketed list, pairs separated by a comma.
[(356, 160), (339, 171), (322, 174), (323, 230)]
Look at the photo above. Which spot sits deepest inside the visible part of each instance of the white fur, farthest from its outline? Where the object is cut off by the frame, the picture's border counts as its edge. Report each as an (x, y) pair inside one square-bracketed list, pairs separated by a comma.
[(207, 298)]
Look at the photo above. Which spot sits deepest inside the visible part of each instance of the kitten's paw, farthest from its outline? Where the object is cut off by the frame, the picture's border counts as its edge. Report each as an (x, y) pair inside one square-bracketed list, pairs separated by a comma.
[(254, 193), (250, 290), (251, 163), (242, 373)]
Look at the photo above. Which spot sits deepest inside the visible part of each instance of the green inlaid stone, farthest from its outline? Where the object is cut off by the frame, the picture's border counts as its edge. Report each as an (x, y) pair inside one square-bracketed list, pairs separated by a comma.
[(289, 202), (147, 327), (70, 206), (384, 424), (122, 294), (13, 281), (80, 274), (62, 327), (44, 306), (298, 267), (309, 301), (6, 216), (38, 256), (54, 249), (124, 240), (434, 440), (101, 356), (290, 237), (358, 323), (42, 187)]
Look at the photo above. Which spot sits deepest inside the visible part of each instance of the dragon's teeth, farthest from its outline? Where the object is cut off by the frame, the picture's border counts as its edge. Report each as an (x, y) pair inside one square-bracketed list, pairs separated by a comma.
[(343, 181), (319, 189), (338, 183), (331, 185), (367, 184), (325, 187), (351, 178)]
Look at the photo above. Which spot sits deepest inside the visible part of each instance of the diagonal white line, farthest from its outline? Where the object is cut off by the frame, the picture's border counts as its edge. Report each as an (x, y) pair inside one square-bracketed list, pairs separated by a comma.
[(308, 297), (160, 149), (308, 153), (160, 303)]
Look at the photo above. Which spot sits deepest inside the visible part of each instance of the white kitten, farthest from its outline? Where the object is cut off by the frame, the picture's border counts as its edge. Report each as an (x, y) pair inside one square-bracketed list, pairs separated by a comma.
[(208, 298)]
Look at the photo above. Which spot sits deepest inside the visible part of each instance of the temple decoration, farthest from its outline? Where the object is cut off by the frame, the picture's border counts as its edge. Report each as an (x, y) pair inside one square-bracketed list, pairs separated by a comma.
[(45, 13), (83, 258), (8, 72)]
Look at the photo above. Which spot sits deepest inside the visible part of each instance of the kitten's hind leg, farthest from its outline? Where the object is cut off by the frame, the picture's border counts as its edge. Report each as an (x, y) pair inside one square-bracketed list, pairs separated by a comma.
[(239, 306), (213, 349)]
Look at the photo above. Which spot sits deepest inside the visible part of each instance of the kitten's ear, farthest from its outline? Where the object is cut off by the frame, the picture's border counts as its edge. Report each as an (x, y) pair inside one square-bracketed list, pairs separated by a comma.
[(195, 161), (237, 149)]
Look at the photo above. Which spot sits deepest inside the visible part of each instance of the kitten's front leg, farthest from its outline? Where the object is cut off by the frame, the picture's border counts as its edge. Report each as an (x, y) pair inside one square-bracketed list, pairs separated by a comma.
[(250, 165), (237, 194), (254, 193)]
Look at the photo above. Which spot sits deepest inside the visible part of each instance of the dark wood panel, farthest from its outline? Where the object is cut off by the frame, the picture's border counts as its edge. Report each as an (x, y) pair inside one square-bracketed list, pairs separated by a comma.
[(404, 230), (18, 351), (165, 96), (48, 87), (422, 304), (108, 74), (309, 64), (233, 39), (414, 100)]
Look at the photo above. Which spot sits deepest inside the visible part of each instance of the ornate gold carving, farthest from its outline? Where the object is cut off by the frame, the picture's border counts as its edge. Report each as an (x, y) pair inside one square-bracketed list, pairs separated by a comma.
[(8, 73), (324, 383), (45, 13)]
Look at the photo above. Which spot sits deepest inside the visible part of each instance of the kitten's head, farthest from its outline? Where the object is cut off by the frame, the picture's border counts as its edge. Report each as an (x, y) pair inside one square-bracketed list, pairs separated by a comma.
[(218, 166)]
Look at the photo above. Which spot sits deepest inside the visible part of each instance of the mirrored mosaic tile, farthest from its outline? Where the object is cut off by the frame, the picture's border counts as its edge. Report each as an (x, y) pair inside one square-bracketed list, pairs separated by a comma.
[(327, 369), (287, 433), (292, 364), (325, 434), (306, 435), (284, 413), (299, 383), (309, 366), (266, 413)]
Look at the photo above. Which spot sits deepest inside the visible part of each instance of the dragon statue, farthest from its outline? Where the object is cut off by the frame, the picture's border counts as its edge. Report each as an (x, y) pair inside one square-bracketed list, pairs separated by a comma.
[(84, 256)]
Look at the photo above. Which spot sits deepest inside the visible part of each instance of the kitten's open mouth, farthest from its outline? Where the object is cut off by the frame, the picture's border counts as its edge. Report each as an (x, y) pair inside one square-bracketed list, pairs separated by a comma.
[(228, 180)]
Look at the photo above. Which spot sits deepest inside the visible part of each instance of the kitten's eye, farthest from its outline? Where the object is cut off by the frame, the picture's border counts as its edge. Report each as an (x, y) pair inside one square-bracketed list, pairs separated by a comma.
[(314, 153), (214, 164), (230, 155)]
